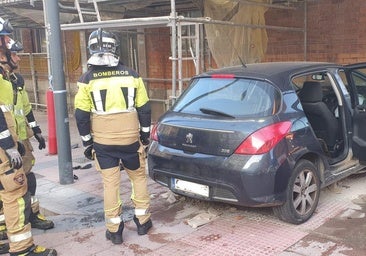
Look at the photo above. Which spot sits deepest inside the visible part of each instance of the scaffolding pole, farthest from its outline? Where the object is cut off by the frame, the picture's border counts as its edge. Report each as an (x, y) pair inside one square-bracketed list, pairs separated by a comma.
[(173, 43)]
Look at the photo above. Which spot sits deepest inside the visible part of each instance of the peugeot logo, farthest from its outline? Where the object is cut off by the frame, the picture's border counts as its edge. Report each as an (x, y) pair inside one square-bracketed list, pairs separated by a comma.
[(189, 138)]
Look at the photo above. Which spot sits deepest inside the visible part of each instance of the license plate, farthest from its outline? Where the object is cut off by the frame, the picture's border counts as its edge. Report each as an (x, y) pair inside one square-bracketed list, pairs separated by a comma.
[(191, 187)]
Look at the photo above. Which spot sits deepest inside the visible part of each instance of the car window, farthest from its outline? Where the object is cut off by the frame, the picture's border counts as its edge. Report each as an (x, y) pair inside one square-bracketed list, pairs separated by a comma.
[(359, 80), (235, 97)]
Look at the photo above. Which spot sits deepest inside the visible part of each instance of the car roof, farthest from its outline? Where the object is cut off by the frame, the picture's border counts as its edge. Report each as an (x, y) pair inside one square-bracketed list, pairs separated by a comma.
[(276, 72)]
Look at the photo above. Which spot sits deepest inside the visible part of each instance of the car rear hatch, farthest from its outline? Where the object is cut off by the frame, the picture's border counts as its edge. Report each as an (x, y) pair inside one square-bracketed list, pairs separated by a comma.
[(216, 113), (207, 136)]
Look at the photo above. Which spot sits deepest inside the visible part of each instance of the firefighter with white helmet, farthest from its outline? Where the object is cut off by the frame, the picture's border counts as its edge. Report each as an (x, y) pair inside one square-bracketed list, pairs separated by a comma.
[(113, 116), (13, 182)]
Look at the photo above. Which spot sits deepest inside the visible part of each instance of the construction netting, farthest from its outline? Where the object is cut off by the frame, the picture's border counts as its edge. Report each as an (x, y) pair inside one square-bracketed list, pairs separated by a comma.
[(243, 42)]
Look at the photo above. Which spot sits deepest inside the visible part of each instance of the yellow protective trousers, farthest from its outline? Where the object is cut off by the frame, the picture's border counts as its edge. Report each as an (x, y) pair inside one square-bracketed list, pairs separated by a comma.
[(112, 201), (28, 158), (16, 205), (28, 163), (139, 195)]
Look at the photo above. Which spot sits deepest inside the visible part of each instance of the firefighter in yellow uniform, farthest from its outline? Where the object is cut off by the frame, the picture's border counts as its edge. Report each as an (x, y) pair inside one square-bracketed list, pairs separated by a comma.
[(13, 182), (27, 127), (113, 116)]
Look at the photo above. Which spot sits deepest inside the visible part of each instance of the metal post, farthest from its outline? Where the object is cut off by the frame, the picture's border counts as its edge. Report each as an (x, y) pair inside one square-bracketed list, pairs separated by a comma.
[(173, 15), (57, 80), (35, 89), (198, 50), (180, 60), (305, 30)]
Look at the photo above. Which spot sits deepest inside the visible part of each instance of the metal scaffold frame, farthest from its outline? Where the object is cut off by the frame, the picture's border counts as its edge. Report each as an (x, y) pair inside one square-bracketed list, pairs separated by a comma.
[(176, 23)]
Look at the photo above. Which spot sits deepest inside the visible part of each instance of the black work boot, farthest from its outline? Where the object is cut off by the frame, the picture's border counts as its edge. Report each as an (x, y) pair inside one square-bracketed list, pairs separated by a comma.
[(4, 248), (115, 237), (142, 229), (39, 221), (36, 250)]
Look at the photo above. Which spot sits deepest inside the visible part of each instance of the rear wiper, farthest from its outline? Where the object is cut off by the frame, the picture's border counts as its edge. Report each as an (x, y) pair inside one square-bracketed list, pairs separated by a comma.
[(215, 112)]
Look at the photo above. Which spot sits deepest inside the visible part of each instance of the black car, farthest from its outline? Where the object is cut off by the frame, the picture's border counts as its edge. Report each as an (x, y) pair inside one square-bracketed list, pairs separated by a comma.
[(266, 134)]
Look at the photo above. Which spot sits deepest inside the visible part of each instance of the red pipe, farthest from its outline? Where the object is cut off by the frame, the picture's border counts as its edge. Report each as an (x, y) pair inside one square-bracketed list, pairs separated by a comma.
[(51, 121)]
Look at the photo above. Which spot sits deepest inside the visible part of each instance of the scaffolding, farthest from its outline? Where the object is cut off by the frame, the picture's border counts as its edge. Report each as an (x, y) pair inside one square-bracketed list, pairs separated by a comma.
[(90, 18), (177, 24), (82, 12)]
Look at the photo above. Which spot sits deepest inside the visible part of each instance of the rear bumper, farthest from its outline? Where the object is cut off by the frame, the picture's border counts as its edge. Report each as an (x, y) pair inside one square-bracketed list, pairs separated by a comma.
[(258, 180)]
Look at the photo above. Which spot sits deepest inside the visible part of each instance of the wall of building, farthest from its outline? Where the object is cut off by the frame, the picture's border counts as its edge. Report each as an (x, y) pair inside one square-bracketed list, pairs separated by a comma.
[(334, 33)]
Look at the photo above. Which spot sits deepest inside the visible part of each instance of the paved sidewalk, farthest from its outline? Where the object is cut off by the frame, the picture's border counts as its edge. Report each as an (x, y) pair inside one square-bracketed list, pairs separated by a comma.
[(77, 210)]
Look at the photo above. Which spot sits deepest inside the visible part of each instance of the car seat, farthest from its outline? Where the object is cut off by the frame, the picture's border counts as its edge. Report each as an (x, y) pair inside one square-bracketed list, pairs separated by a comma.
[(322, 120)]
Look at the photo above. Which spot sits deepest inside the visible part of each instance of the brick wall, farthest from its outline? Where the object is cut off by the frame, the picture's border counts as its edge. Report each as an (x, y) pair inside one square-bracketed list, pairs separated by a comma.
[(159, 66), (335, 32)]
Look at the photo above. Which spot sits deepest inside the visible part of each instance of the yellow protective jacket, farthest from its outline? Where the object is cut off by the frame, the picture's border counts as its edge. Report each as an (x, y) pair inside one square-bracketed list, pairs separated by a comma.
[(111, 106), (22, 108), (8, 136)]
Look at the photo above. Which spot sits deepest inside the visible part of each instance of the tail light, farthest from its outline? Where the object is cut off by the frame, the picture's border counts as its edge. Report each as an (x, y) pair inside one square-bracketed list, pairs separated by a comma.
[(264, 140), (154, 132), (222, 76)]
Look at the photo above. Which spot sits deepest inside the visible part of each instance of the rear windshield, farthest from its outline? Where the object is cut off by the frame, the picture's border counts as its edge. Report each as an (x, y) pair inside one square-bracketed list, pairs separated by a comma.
[(236, 97)]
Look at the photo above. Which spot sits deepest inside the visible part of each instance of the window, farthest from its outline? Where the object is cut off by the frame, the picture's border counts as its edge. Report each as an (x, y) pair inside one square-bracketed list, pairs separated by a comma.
[(233, 96)]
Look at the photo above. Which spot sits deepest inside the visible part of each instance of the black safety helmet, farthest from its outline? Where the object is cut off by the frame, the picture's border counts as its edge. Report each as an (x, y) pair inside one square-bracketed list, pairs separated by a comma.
[(101, 41), (15, 46)]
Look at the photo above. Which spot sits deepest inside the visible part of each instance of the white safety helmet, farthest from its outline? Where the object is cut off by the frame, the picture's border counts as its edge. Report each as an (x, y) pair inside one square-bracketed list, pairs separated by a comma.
[(104, 48), (5, 27), (5, 30)]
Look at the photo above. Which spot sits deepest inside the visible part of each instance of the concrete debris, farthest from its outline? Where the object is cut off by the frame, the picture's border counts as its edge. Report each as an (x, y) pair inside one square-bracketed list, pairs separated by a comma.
[(165, 195), (233, 209), (214, 211), (169, 196), (335, 188), (353, 214), (201, 219)]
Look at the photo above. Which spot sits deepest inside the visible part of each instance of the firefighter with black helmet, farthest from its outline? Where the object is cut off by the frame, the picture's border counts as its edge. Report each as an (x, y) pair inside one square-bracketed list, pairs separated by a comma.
[(13, 182), (113, 116)]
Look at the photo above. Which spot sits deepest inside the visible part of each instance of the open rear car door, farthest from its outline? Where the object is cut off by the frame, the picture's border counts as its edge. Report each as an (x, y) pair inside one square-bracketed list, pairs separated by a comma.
[(356, 78)]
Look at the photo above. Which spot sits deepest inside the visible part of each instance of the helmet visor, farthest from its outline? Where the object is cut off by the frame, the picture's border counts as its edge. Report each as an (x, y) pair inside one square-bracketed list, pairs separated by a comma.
[(101, 45)]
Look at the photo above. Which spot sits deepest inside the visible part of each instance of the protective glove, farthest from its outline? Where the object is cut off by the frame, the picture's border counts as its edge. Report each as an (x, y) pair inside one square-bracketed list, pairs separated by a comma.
[(88, 152), (144, 137), (41, 141), (14, 157), (21, 148)]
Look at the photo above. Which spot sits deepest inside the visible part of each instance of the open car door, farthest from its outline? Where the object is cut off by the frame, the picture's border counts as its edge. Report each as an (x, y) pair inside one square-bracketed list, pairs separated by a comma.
[(356, 79)]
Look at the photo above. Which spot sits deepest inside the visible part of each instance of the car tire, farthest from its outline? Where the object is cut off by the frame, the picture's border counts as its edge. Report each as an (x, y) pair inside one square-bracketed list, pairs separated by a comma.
[(302, 195)]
